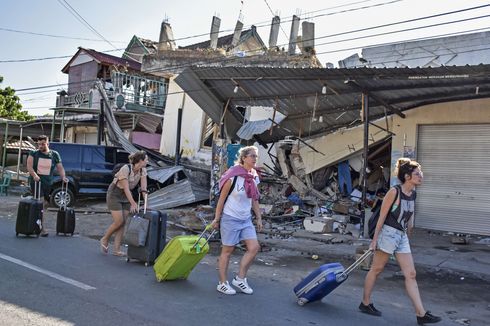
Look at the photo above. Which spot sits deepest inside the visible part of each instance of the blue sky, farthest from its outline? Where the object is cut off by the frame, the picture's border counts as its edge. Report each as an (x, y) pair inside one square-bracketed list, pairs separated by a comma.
[(117, 21)]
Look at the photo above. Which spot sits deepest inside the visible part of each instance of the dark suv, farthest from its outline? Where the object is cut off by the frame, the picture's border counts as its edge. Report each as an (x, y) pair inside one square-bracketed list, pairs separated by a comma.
[(89, 168)]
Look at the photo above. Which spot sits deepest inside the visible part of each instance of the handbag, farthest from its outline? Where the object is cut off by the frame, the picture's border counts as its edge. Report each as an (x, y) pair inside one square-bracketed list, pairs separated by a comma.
[(137, 229)]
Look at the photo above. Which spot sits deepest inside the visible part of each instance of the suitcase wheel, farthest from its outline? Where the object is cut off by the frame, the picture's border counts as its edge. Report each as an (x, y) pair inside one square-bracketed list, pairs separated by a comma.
[(302, 301), (127, 259)]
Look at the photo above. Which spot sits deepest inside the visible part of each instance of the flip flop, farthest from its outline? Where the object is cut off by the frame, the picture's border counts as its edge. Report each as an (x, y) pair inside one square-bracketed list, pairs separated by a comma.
[(104, 248)]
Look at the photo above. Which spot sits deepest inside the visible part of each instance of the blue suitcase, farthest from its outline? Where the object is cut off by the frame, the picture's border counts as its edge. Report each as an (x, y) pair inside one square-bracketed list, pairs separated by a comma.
[(324, 280)]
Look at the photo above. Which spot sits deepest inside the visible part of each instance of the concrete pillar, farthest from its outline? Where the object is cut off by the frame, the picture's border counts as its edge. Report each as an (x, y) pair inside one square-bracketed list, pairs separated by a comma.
[(308, 36), (214, 32), (166, 40), (293, 35), (276, 21), (237, 34)]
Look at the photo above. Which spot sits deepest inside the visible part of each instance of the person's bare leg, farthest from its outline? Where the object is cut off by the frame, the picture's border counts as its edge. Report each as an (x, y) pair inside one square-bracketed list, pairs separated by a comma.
[(119, 233), (405, 261), (253, 248), (117, 220), (223, 262), (43, 217), (379, 261)]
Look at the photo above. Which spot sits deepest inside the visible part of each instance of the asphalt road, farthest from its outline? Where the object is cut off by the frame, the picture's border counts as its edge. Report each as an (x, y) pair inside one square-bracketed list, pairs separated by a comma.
[(67, 281)]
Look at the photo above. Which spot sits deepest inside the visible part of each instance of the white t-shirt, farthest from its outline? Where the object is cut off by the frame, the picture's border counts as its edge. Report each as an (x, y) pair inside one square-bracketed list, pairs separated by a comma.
[(238, 204)]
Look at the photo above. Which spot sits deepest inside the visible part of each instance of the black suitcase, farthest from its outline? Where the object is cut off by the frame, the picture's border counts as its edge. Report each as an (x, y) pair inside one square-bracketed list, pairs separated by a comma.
[(65, 219), (155, 240), (29, 214)]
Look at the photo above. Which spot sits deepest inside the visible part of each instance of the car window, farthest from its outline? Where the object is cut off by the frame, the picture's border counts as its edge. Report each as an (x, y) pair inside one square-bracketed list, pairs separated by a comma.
[(69, 154), (122, 157)]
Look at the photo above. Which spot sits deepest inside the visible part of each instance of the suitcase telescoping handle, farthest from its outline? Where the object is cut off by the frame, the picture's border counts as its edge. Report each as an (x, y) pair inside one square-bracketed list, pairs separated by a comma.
[(64, 193), (37, 190), (206, 229), (145, 201), (358, 262)]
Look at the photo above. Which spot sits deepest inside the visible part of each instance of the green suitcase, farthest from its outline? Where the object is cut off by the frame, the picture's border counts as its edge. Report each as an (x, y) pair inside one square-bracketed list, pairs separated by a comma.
[(180, 256)]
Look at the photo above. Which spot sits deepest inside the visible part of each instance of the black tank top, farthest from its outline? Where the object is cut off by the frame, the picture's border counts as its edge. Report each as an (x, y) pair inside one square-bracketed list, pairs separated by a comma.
[(400, 214)]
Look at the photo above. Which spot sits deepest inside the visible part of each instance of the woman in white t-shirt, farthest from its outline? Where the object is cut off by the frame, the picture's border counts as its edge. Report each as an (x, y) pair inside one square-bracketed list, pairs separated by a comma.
[(238, 197)]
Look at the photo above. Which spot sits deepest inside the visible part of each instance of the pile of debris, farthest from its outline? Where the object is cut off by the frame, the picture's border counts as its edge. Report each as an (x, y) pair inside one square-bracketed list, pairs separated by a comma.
[(322, 202)]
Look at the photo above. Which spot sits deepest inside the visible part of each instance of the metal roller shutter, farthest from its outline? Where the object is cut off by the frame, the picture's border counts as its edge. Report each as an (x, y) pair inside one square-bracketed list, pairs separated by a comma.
[(455, 195)]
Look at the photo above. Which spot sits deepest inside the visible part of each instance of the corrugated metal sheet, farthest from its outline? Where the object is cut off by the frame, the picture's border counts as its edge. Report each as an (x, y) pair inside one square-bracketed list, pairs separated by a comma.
[(298, 92), (162, 174), (177, 194), (454, 194)]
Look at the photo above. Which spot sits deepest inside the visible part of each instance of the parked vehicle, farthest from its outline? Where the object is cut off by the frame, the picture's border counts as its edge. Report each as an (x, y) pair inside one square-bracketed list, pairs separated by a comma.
[(89, 169)]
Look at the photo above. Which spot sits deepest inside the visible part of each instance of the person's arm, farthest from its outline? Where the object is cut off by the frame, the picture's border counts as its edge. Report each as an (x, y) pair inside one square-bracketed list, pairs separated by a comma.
[(258, 215), (129, 195), (30, 168), (385, 206), (144, 184), (221, 203), (61, 172)]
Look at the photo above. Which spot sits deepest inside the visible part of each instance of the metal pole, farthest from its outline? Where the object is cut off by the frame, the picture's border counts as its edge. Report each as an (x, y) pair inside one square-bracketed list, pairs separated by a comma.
[(53, 125), (20, 151), (4, 156), (62, 130), (365, 117), (100, 123), (179, 131)]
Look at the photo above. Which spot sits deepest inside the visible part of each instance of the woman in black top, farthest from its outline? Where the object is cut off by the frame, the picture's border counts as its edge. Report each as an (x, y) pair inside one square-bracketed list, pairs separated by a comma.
[(391, 237)]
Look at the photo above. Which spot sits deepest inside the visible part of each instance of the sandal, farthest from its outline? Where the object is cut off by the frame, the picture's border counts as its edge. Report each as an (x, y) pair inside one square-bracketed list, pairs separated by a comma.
[(119, 254), (104, 248)]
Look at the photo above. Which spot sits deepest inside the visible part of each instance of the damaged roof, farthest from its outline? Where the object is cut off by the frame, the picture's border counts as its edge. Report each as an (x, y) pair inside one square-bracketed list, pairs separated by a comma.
[(103, 58), (318, 100), (225, 41)]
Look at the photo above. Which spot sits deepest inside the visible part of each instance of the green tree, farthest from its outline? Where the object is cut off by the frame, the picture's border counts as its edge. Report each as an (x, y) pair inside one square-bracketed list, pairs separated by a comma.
[(10, 108)]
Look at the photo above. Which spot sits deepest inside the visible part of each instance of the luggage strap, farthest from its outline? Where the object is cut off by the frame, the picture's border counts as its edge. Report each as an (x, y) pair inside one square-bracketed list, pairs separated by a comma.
[(358, 262)]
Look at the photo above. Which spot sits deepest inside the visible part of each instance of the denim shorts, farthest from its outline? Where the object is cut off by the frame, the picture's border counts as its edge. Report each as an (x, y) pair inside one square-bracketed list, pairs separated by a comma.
[(392, 241), (234, 230)]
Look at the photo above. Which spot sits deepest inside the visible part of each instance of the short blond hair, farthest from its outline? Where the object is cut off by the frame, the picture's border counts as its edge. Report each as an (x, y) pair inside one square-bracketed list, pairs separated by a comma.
[(243, 152)]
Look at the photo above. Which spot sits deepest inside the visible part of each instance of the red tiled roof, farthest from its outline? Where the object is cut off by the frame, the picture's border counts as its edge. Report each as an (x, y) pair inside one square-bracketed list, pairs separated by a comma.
[(105, 59)]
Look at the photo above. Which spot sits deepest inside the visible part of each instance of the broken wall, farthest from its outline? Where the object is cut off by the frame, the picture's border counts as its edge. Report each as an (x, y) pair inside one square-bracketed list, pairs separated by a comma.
[(341, 144), (192, 123)]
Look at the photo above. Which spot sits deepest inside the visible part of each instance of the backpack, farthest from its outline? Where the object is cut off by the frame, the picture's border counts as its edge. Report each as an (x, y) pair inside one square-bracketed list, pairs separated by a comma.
[(373, 220), (118, 167)]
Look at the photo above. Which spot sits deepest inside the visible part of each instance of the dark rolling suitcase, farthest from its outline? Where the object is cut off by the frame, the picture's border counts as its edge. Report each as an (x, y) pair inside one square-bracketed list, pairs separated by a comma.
[(29, 214), (155, 240), (324, 280), (65, 219)]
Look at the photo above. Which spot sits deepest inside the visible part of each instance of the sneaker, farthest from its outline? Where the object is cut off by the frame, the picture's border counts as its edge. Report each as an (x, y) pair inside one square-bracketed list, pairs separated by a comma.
[(242, 285), (369, 309), (225, 288), (428, 318)]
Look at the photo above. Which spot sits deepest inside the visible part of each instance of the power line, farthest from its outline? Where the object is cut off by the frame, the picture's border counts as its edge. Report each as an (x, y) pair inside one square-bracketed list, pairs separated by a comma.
[(54, 36), (317, 38), (82, 20)]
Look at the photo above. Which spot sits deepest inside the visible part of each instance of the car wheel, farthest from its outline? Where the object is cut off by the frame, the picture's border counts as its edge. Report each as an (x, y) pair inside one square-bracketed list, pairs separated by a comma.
[(58, 197)]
